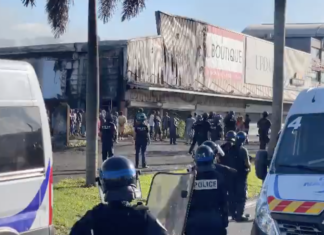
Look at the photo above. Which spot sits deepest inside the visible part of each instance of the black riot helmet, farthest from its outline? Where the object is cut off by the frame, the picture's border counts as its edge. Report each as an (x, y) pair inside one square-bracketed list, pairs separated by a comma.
[(230, 136), (215, 147), (265, 114), (240, 138), (118, 177), (109, 117), (199, 118), (204, 155), (205, 116)]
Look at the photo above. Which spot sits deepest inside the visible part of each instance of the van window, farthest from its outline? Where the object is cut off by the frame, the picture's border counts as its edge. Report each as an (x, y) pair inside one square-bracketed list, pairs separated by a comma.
[(21, 142), (302, 144)]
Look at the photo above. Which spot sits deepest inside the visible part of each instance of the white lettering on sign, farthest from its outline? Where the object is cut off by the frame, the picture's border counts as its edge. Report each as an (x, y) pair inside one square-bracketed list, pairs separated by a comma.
[(205, 184), (225, 54)]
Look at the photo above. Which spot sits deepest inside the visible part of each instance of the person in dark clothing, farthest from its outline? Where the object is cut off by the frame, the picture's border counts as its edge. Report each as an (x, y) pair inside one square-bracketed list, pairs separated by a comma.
[(243, 167), (236, 156), (216, 131), (230, 122), (142, 139), (247, 121), (173, 125), (208, 212), (201, 129), (264, 125), (197, 128), (229, 160), (118, 177), (108, 135), (211, 117), (218, 153)]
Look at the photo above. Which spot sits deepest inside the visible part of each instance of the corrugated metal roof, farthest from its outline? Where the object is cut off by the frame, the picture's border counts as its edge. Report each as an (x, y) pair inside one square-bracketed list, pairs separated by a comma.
[(59, 47), (292, 30)]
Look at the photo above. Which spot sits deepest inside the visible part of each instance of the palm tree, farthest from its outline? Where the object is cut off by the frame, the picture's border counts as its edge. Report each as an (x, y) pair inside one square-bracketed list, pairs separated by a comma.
[(278, 73), (58, 17)]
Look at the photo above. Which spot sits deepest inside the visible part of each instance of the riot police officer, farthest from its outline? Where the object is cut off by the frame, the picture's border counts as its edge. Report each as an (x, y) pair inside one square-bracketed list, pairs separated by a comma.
[(264, 125), (230, 122), (108, 135), (197, 128), (208, 212), (142, 139), (216, 131), (243, 167), (218, 153), (118, 177), (229, 160)]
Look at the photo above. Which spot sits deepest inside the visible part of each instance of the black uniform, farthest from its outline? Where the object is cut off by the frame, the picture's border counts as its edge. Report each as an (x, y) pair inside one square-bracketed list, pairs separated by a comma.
[(201, 129), (141, 141), (216, 130), (264, 125), (208, 212), (230, 123), (118, 218), (236, 157), (108, 135)]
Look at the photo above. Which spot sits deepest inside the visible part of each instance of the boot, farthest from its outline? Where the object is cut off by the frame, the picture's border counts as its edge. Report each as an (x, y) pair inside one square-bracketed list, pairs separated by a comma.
[(239, 213)]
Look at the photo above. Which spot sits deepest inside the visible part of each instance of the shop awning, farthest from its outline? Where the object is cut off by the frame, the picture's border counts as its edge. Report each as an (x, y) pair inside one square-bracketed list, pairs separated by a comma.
[(202, 93)]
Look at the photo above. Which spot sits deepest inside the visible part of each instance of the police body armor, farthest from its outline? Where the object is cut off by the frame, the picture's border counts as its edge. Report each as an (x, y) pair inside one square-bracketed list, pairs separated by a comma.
[(118, 216), (107, 131), (239, 163), (141, 133), (208, 204)]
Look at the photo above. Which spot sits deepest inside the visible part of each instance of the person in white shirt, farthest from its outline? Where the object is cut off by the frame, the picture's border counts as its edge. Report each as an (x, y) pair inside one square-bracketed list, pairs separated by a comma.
[(151, 123)]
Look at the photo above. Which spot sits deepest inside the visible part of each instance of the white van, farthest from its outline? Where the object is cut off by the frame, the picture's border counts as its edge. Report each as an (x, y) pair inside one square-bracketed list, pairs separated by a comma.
[(292, 196), (26, 182)]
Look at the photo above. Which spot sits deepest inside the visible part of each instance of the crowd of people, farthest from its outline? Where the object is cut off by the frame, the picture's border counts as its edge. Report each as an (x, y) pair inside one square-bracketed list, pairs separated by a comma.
[(198, 129), (77, 122)]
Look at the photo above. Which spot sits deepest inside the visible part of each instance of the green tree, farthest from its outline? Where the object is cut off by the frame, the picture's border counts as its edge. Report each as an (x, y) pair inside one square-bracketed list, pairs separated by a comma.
[(58, 17)]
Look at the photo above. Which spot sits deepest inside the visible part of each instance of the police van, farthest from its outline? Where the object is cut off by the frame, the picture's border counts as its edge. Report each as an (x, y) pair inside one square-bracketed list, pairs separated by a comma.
[(292, 196), (26, 194)]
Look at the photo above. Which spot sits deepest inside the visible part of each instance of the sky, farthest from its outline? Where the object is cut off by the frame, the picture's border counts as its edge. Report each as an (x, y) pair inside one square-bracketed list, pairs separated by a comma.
[(28, 26)]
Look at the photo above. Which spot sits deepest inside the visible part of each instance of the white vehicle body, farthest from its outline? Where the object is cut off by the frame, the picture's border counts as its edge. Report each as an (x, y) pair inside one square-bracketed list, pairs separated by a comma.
[(26, 182), (292, 196)]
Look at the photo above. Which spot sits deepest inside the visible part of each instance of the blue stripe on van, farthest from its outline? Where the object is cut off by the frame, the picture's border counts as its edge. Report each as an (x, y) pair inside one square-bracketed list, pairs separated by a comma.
[(23, 220)]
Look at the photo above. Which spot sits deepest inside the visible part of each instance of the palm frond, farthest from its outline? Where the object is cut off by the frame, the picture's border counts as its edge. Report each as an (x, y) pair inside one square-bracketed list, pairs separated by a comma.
[(58, 15), (28, 3), (107, 9), (132, 8)]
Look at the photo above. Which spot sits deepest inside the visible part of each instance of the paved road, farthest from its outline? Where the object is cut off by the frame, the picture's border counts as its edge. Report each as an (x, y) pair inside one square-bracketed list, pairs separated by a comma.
[(243, 228), (70, 163)]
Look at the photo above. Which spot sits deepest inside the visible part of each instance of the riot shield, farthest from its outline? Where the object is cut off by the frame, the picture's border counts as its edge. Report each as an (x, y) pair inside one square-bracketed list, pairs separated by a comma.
[(169, 199)]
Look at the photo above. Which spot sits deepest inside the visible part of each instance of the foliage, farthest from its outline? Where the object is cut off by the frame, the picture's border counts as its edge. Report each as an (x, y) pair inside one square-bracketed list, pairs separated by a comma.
[(58, 11)]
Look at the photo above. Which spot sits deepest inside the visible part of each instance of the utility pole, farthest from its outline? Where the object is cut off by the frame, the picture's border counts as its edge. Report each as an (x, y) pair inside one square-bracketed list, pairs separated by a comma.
[(92, 97), (278, 72)]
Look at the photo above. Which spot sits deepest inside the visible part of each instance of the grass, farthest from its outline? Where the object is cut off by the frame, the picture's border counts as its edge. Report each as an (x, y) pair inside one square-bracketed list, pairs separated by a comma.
[(72, 199)]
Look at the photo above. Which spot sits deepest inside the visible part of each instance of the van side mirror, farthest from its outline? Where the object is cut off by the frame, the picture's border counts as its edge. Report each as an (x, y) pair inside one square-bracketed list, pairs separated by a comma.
[(261, 164)]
